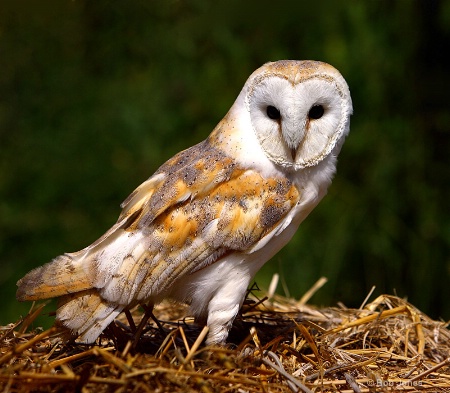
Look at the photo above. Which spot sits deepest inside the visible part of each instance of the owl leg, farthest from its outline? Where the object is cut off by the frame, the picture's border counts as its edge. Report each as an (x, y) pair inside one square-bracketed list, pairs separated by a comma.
[(222, 310), (148, 314)]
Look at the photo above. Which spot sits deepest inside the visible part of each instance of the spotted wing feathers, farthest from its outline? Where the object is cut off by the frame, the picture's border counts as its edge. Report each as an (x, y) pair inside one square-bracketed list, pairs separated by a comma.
[(197, 207)]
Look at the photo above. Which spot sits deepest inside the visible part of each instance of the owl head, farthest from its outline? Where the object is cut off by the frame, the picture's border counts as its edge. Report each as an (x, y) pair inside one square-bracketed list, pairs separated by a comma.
[(299, 111)]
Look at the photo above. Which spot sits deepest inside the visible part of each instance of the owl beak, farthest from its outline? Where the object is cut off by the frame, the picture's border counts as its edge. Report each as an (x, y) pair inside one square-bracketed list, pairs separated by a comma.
[(293, 153)]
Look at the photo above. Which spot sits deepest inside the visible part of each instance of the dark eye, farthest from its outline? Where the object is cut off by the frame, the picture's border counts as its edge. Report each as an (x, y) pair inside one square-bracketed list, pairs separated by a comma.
[(273, 112), (316, 112)]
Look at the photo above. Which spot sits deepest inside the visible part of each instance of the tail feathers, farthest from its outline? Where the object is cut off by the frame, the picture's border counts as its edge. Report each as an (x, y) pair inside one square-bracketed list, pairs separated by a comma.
[(59, 277), (86, 314)]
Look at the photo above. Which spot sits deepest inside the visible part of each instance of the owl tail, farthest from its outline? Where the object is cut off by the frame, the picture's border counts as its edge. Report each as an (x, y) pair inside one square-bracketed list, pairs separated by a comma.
[(77, 280), (80, 307)]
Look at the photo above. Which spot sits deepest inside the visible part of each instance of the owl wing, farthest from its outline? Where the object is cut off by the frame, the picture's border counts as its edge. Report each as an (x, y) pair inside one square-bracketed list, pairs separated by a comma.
[(198, 206)]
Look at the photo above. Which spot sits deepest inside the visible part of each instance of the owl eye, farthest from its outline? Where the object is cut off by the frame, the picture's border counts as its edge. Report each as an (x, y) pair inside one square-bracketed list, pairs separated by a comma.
[(273, 112), (316, 112)]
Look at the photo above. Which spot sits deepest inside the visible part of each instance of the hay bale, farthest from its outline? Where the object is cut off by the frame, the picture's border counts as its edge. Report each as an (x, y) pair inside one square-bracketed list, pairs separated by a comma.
[(276, 344)]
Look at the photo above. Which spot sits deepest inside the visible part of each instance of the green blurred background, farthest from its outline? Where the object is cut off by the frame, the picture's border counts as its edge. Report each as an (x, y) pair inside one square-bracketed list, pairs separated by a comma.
[(94, 96)]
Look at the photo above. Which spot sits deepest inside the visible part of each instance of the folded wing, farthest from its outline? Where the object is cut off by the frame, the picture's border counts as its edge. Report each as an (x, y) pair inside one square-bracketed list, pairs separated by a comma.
[(197, 207)]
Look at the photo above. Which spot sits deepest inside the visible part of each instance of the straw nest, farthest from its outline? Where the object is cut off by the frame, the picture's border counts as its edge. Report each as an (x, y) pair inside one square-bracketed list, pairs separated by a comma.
[(276, 345)]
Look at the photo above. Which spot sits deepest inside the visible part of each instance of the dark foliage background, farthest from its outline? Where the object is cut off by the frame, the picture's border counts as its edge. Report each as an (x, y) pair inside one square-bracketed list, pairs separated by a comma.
[(94, 96)]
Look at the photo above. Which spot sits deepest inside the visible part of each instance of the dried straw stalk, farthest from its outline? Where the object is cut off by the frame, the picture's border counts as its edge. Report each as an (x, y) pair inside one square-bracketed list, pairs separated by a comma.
[(276, 345)]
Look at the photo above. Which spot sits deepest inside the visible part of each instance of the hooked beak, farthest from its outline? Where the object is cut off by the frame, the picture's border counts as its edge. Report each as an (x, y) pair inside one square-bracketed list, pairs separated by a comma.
[(293, 153)]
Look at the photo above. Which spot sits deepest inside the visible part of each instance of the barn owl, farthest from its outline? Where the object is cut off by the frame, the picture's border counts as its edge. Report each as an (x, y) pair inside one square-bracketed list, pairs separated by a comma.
[(199, 229)]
